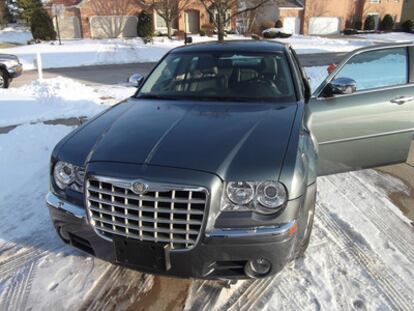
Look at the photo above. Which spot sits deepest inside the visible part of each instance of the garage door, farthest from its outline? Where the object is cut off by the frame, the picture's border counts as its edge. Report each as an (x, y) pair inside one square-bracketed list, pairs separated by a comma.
[(291, 25), (324, 25), (69, 27), (113, 26)]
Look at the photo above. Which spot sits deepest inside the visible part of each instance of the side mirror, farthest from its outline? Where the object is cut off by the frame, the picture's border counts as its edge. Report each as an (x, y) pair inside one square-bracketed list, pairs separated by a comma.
[(136, 80), (342, 86)]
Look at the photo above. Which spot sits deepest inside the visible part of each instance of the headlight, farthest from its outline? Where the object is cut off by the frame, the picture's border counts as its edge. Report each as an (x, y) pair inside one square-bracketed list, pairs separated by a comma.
[(262, 197), (67, 175), (240, 192), (271, 194)]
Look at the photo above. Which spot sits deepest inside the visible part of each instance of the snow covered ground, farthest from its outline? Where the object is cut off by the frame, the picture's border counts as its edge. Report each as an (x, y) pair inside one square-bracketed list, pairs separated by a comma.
[(17, 35), (360, 257), (56, 98), (119, 51)]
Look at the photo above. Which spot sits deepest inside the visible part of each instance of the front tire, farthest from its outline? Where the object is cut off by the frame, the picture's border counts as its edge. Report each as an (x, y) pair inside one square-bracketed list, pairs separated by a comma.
[(4, 79)]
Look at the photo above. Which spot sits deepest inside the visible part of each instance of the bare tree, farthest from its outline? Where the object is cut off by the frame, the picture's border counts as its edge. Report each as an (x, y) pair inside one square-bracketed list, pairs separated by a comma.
[(168, 10), (223, 11), (112, 15)]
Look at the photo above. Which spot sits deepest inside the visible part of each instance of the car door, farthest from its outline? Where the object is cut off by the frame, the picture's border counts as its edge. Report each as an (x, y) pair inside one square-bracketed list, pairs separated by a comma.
[(370, 125)]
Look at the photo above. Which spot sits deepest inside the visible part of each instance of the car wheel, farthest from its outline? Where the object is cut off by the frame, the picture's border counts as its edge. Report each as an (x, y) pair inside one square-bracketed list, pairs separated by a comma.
[(4, 79)]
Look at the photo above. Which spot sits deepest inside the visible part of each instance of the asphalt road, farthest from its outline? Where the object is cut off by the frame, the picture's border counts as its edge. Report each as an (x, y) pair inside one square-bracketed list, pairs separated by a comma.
[(114, 74)]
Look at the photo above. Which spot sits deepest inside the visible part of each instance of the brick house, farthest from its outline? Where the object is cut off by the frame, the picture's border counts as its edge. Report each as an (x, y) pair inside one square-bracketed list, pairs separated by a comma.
[(408, 11), (118, 18), (324, 17)]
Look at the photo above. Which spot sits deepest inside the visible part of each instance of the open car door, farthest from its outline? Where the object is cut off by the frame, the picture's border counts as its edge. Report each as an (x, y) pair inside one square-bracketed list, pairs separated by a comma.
[(362, 115)]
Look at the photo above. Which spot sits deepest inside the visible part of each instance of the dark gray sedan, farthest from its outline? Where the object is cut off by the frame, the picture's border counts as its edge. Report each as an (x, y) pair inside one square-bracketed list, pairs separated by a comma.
[(210, 170)]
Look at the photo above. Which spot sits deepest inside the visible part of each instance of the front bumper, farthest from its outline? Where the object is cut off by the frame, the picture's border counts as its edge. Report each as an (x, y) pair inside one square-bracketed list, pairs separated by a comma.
[(219, 254), (15, 71)]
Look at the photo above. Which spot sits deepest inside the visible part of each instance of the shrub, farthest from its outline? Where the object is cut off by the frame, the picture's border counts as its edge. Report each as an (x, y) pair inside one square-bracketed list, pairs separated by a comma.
[(208, 29), (41, 25), (279, 24), (202, 33), (266, 25), (369, 23), (231, 32), (358, 25), (350, 31), (407, 25), (145, 26), (387, 23), (275, 34), (255, 37)]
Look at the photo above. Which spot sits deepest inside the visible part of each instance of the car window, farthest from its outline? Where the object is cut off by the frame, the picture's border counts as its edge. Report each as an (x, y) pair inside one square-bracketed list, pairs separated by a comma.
[(222, 76), (377, 69)]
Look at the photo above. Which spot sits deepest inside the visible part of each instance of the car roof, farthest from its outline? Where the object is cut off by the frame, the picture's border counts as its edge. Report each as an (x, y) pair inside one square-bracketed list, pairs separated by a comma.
[(233, 45)]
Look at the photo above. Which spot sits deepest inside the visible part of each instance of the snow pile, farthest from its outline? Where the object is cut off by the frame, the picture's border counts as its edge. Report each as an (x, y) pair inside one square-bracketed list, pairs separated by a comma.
[(15, 35), (314, 44), (316, 75), (56, 98), (391, 37)]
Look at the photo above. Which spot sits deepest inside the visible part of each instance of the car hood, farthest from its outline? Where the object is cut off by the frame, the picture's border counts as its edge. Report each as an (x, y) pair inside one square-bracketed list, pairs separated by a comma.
[(236, 141)]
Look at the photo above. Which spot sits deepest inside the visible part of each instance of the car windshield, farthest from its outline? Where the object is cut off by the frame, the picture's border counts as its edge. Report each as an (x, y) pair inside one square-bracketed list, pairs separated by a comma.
[(221, 76)]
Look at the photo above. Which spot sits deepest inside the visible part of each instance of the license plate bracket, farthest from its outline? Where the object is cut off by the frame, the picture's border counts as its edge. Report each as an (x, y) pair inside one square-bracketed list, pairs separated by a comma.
[(139, 254)]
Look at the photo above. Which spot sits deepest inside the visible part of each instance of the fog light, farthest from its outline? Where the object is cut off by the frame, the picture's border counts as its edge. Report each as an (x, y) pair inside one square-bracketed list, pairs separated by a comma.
[(258, 267)]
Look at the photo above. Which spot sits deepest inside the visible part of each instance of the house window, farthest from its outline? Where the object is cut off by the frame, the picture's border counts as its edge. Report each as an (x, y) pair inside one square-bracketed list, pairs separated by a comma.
[(375, 1), (159, 21), (227, 23)]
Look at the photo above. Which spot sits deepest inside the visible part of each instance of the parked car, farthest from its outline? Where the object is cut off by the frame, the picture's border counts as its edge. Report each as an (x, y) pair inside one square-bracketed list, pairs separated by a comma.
[(210, 170), (10, 68)]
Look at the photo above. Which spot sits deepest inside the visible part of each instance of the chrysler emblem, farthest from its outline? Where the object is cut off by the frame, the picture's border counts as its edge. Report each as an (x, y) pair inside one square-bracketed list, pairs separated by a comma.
[(139, 187)]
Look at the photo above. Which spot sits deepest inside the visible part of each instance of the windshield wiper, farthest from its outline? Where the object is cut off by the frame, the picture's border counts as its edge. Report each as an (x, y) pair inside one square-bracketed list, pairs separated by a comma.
[(155, 96)]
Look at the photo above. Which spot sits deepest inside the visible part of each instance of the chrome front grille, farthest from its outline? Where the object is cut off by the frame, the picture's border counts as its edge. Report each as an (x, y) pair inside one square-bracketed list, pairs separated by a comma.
[(164, 214)]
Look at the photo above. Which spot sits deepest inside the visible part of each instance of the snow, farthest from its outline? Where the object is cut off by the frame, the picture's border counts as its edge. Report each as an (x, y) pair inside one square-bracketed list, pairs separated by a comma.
[(87, 52), (56, 98), (316, 75), (391, 37), (15, 35), (360, 256)]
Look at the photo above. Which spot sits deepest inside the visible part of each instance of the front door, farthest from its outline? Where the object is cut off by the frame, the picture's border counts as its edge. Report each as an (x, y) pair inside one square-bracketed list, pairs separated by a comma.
[(193, 21), (372, 125)]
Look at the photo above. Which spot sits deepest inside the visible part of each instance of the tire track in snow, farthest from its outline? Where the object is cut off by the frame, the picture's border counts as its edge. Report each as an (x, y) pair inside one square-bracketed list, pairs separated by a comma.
[(117, 289), (391, 226), (18, 289), (22, 257), (398, 293)]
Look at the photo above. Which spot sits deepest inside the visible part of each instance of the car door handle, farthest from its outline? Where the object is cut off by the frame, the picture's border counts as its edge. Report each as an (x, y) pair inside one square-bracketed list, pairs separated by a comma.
[(402, 100)]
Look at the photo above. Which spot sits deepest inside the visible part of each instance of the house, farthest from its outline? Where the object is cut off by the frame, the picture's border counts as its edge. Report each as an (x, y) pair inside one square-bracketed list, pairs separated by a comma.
[(408, 11), (118, 18), (327, 17), (332, 16)]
